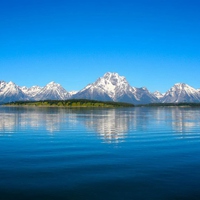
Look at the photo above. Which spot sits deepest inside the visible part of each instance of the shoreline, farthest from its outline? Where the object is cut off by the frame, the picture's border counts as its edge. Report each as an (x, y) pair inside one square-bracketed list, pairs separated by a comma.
[(73, 103)]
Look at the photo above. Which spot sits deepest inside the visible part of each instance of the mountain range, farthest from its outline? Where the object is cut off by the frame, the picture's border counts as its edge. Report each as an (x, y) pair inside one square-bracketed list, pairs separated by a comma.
[(110, 87)]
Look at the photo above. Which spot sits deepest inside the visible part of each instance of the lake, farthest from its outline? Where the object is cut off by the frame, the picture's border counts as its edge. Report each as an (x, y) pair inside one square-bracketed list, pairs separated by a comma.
[(123, 153)]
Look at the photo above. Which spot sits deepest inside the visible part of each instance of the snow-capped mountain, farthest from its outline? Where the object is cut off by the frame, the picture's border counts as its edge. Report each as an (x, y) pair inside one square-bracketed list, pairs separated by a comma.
[(32, 91), (90, 92), (106, 88), (116, 88), (181, 92), (2, 85), (11, 92), (110, 87), (158, 94), (52, 91), (144, 96), (72, 92)]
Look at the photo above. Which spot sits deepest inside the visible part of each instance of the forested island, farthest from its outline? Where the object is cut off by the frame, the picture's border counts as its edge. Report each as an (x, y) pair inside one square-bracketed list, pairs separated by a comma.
[(70, 103), (93, 103)]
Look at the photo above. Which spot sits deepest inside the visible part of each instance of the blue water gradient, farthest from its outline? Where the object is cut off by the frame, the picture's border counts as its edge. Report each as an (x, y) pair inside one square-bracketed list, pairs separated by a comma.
[(125, 153)]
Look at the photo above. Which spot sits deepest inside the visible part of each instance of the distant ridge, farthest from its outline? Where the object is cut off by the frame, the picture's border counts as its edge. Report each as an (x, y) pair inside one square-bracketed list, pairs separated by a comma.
[(109, 87)]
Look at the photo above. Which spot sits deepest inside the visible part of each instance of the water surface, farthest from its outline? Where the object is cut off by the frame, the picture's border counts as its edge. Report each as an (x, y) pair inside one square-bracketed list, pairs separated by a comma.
[(123, 153)]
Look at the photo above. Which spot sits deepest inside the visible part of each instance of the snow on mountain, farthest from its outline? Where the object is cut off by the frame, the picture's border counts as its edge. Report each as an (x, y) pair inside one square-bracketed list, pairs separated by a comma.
[(11, 92), (52, 91), (24, 89), (144, 96), (2, 85), (115, 86), (158, 94), (73, 93), (92, 92), (112, 87), (112, 84), (105, 88), (181, 92), (32, 91)]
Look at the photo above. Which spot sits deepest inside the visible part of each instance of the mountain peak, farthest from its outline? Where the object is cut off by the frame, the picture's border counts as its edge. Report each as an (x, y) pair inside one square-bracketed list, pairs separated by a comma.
[(11, 92), (111, 84), (113, 75), (181, 92), (11, 83), (53, 91), (181, 85), (111, 80), (114, 87), (53, 83), (109, 74), (158, 94)]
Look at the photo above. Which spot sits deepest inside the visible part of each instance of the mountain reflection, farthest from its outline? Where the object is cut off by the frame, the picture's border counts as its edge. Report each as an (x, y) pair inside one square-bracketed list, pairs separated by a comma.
[(183, 120), (35, 118), (112, 125)]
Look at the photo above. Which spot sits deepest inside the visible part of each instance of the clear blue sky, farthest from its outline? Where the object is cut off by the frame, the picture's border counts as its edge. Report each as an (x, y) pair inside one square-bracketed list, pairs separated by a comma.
[(153, 43)]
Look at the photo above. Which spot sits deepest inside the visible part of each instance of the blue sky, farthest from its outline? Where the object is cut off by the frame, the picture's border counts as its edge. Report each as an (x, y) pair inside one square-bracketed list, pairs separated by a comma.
[(153, 43)]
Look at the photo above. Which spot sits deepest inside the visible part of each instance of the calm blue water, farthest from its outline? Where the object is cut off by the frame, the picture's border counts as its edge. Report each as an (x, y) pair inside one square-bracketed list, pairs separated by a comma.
[(129, 153)]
